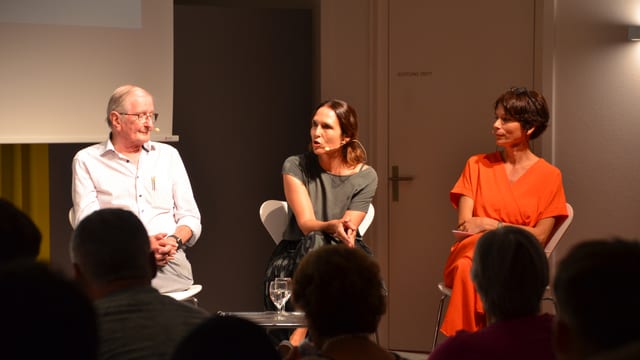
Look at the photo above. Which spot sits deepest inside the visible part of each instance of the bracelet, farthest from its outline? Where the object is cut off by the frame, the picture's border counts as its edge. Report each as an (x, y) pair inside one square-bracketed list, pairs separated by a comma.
[(500, 224)]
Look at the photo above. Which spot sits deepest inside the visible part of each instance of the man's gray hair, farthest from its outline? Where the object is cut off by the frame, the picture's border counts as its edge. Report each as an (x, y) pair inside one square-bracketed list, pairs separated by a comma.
[(119, 96)]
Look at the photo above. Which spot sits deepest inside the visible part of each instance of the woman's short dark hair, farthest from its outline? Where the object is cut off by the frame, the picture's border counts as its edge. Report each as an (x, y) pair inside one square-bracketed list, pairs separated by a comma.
[(340, 290), (528, 107)]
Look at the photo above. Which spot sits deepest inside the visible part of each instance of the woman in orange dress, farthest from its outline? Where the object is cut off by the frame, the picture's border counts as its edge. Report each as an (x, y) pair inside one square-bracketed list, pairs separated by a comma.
[(511, 186)]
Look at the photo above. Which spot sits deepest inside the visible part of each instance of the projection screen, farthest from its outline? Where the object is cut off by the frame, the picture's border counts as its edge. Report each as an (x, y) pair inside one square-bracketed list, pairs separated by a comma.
[(62, 59)]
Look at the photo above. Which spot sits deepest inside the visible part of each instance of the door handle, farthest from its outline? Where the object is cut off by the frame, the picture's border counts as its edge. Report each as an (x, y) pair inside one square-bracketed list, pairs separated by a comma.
[(395, 178)]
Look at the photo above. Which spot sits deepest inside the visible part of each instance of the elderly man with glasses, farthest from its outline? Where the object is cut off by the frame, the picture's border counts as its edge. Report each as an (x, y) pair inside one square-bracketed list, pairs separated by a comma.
[(129, 171)]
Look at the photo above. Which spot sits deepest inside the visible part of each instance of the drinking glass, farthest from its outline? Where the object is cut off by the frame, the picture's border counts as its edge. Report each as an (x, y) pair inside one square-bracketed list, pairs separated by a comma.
[(279, 292)]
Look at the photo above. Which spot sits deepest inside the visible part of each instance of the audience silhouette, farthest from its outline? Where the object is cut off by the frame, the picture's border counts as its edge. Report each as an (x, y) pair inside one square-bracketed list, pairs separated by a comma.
[(510, 272), (226, 337), (341, 292), (22, 236), (598, 313), (47, 316), (113, 260)]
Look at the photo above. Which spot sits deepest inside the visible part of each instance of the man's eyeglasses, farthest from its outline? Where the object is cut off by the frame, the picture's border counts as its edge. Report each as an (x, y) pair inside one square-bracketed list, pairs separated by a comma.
[(153, 117)]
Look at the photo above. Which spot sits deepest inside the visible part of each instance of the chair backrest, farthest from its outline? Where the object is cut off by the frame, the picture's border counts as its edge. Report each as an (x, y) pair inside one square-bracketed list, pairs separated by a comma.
[(558, 231), (368, 219), (72, 217), (274, 217)]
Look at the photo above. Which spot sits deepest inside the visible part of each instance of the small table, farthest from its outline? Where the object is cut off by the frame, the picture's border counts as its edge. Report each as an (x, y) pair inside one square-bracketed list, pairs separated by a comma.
[(271, 319)]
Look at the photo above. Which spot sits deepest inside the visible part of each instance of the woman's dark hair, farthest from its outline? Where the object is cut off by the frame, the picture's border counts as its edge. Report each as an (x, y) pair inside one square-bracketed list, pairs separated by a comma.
[(528, 107), (353, 152), (511, 272), (340, 290)]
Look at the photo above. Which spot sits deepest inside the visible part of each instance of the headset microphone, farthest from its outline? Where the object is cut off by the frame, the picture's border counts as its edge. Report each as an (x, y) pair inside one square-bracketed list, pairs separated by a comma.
[(326, 148)]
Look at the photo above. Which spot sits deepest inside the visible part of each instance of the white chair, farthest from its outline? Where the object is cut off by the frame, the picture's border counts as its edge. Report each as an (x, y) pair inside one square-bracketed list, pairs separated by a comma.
[(72, 217), (558, 231), (274, 215), (556, 234), (188, 295)]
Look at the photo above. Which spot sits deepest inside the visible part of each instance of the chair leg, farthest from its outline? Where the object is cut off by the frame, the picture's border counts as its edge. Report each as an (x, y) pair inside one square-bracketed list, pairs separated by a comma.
[(549, 297), (553, 301), (438, 320)]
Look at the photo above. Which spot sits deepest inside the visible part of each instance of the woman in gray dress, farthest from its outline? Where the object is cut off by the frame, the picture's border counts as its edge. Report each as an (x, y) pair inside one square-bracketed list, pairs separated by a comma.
[(328, 190)]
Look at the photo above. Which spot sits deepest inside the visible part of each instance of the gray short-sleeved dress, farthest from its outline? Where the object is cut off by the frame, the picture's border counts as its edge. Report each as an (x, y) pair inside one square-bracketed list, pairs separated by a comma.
[(331, 195)]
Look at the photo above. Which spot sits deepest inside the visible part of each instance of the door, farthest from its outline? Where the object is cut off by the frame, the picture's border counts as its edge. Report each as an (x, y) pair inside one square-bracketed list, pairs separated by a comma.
[(448, 63)]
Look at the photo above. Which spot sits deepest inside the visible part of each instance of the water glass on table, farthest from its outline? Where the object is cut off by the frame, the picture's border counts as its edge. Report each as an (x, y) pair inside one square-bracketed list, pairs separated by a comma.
[(280, 292)]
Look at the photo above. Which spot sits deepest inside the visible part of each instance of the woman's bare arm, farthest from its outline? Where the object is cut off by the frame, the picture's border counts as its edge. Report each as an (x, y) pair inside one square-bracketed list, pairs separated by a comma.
[(300, 203), (467, 222)]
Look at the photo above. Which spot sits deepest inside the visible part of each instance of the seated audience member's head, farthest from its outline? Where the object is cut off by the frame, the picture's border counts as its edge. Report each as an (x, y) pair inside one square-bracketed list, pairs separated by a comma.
[(340, 290), (226, 337), (46, 316), (511, 273), (598, 303), (110, 249), (20, 234)]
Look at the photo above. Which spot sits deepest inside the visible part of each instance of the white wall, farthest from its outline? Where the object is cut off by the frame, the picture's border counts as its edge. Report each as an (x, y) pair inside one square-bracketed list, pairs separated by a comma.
[(344, 56), (595, 86)]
